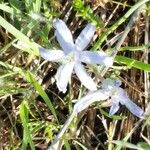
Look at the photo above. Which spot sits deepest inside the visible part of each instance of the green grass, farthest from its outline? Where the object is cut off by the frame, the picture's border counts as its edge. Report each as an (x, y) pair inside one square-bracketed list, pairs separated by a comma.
[(31, 107)]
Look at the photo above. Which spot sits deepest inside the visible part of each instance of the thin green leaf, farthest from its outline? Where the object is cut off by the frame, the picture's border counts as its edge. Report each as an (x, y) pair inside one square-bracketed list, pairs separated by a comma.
[(24, 114), (2, 50), (6, 8), (42, 93), (131, 48), (20, 36), (133, 63), (37, 6), (114, 117), (127, 145), (144, 145), (17, 7), (134, 48), (67, 145)]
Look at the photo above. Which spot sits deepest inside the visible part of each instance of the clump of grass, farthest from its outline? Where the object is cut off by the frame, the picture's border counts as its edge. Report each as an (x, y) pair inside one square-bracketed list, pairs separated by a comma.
[(32, 110)]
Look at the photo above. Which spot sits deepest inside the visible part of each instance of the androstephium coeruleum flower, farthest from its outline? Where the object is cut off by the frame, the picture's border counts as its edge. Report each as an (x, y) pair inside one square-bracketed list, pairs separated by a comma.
[(73, 55), (118, 95), (110, 89)]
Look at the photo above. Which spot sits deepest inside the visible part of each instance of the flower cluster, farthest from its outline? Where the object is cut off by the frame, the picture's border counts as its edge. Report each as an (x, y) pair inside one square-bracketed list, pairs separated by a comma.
[(72, 57), (110, 89)]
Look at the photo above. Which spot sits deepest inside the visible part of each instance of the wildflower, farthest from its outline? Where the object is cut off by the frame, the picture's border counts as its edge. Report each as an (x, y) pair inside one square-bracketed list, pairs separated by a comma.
[(118, 95), (110, 89), (72, 55)]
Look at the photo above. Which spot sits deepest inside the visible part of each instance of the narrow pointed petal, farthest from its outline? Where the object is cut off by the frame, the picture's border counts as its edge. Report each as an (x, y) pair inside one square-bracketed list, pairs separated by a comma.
[(115, 107), (85, 79), (133, 108), (96, 58), (51, 55), (63, 35), (63, 75), (85, 37), (87, 100)]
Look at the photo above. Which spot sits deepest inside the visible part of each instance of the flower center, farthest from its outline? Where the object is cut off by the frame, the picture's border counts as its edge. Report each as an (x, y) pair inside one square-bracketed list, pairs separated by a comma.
[(114, 92), (71, 57)]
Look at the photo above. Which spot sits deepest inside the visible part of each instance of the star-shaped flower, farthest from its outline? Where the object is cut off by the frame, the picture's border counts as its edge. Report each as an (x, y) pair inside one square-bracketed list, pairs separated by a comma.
[(118, 95), (73, 55)]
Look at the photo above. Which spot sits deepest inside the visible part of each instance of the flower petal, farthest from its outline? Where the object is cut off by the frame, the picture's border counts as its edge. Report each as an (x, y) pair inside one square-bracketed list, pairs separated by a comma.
[(87, 100), (85, 37), (63, 35), (85, 79), (63, 75), (51, 55), (133, 108), (96, 58), (115, 106)]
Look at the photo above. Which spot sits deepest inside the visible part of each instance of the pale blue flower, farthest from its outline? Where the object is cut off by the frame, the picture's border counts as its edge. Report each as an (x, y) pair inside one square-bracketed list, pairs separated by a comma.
[(88, 99), (110, 89), (73, 55), (118, 95)]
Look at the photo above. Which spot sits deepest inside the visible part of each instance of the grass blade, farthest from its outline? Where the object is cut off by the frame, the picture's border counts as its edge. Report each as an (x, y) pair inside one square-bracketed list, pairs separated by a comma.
[(41, 92), (133, 63), (127, 145), (24, 116), (20, 36)]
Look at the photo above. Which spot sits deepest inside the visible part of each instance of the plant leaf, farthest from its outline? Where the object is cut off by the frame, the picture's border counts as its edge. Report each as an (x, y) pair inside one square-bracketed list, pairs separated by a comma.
[(133, 63), (41, 92)]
